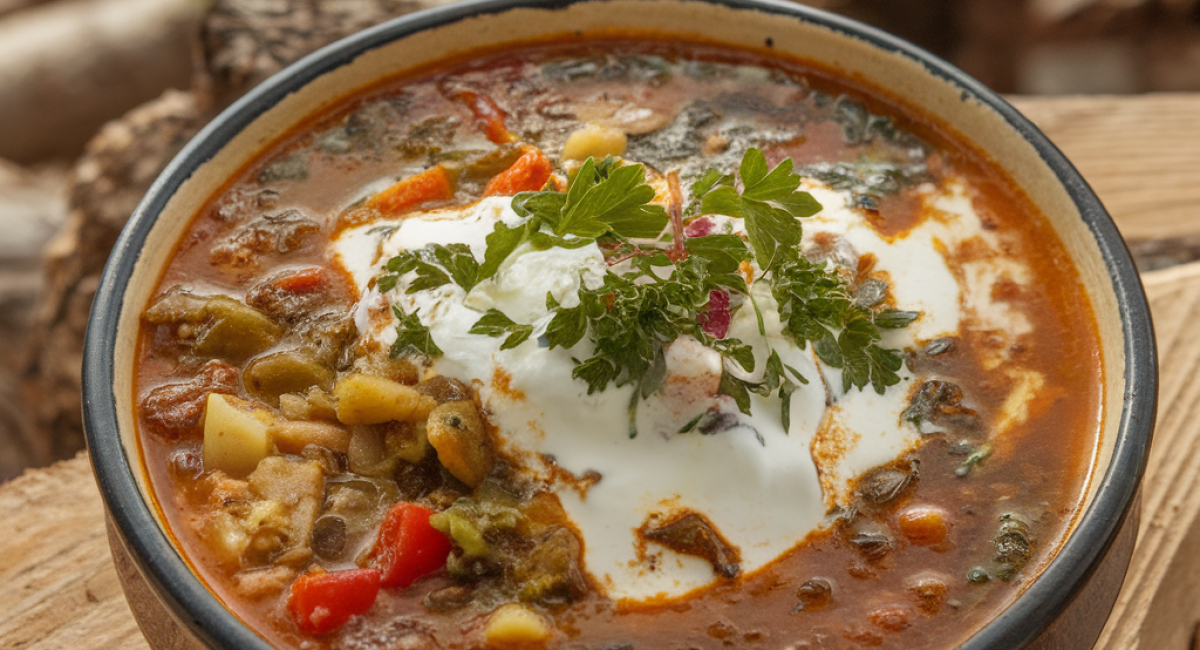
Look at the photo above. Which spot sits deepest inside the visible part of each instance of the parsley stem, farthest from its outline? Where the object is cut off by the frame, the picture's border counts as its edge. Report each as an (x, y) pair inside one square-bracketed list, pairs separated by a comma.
[(675, 211), (633, 407), (762, 326)]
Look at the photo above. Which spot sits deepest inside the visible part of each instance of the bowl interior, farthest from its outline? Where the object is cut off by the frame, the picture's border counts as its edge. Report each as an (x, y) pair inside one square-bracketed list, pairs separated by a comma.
[(940, 92)]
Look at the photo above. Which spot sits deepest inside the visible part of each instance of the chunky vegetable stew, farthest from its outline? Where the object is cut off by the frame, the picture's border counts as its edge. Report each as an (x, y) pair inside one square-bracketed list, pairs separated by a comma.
[(619, 344)]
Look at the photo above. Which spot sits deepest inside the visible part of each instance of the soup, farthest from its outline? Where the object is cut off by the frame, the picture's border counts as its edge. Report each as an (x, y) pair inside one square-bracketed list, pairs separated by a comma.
[(618, 344)]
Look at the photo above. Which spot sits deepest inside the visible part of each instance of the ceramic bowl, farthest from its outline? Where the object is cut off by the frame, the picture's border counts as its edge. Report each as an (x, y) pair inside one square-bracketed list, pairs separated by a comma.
[(1065, 607)]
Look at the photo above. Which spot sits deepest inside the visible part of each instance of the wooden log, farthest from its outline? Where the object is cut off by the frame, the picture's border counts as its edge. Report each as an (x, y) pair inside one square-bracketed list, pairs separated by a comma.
[(61, 589), (32, 206), (69, 66), (13, 6), (106, 185), (244, 42)]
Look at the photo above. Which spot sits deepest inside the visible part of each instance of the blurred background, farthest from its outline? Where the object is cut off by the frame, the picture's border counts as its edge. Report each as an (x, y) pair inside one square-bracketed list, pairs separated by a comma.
[(97, 95)]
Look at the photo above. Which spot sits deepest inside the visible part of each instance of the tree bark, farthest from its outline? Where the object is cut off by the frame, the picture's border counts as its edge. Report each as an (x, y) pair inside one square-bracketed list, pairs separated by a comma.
[(242, 42)]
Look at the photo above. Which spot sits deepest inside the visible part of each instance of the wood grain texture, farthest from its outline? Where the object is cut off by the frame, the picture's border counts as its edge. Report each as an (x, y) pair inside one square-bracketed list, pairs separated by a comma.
[(63, 591), (1160, 602), (1140, 154)]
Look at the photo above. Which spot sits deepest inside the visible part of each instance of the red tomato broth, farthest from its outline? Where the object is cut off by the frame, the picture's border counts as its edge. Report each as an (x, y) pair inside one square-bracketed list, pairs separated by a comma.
[(872, 603)]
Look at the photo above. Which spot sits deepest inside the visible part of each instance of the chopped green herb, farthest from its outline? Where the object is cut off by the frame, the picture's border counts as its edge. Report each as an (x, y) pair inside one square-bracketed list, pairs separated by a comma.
[(770, 202), (976, 457), (412, 337), (435, 265), (632, 321), (635, 314), (496, 324)]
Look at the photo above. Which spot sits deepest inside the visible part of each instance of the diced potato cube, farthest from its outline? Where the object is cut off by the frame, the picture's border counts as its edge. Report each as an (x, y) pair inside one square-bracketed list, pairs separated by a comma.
[(242, 528), (594, 141), (299, 486), (292, 436), (367, 399), (316, 404), (514, 625), (235, 434)]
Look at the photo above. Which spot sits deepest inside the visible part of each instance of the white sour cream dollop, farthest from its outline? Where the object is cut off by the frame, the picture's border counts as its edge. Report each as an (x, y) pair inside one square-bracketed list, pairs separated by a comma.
[(763, 488)]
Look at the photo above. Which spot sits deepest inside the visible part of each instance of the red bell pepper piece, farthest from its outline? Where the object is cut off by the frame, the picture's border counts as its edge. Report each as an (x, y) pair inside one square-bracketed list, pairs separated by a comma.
[(303, 281), (323, 602), (408, 546), (430, 185), (488, 113), (528, 174)]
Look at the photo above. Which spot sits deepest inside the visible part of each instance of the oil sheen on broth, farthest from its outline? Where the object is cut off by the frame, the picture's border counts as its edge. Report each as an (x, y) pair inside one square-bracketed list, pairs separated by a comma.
[(365, 327)]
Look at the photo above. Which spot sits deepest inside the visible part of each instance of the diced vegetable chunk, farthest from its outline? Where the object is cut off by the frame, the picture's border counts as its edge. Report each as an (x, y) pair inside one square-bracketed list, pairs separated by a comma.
[(366, 399), (594, 141), (376, 450), (551, 572), (292, 436), (469, 520), (408, 441), (490, 116), (241, 532), (924, 525), (528, 174), (409, 548), (299, 486), (303, 281), (292, 295), (215, 326), (235, 435), (514, 625), (456, 431), (322, 602), (176, 410), (432, 184), (315, 404), (268, 518), (289, 371)]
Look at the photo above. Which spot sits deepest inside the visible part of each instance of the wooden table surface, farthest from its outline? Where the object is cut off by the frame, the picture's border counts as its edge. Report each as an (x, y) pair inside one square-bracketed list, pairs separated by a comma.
[(1141, 154)]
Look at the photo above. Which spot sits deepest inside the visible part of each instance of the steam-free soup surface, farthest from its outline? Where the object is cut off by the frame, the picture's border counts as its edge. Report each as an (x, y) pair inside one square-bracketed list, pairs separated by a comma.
[(407, 382)]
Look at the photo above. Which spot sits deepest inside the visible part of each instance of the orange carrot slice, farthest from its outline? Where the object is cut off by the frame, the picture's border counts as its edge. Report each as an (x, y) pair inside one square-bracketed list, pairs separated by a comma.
[(430, 185), (528, 174)]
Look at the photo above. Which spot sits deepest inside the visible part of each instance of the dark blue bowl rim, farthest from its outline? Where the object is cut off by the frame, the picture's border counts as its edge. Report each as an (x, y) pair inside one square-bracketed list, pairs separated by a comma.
[(196, 607)]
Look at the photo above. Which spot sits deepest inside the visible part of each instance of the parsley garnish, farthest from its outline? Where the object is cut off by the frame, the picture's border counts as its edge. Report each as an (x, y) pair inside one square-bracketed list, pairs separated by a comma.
[(412, 336), (635, 314), (633, 317), (769, 201), (495, 324), (435, 265)]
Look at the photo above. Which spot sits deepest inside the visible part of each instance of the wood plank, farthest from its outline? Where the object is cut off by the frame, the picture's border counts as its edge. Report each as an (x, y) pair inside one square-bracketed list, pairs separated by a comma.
[(1160, 602), (61, 590), (1140, 154)]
